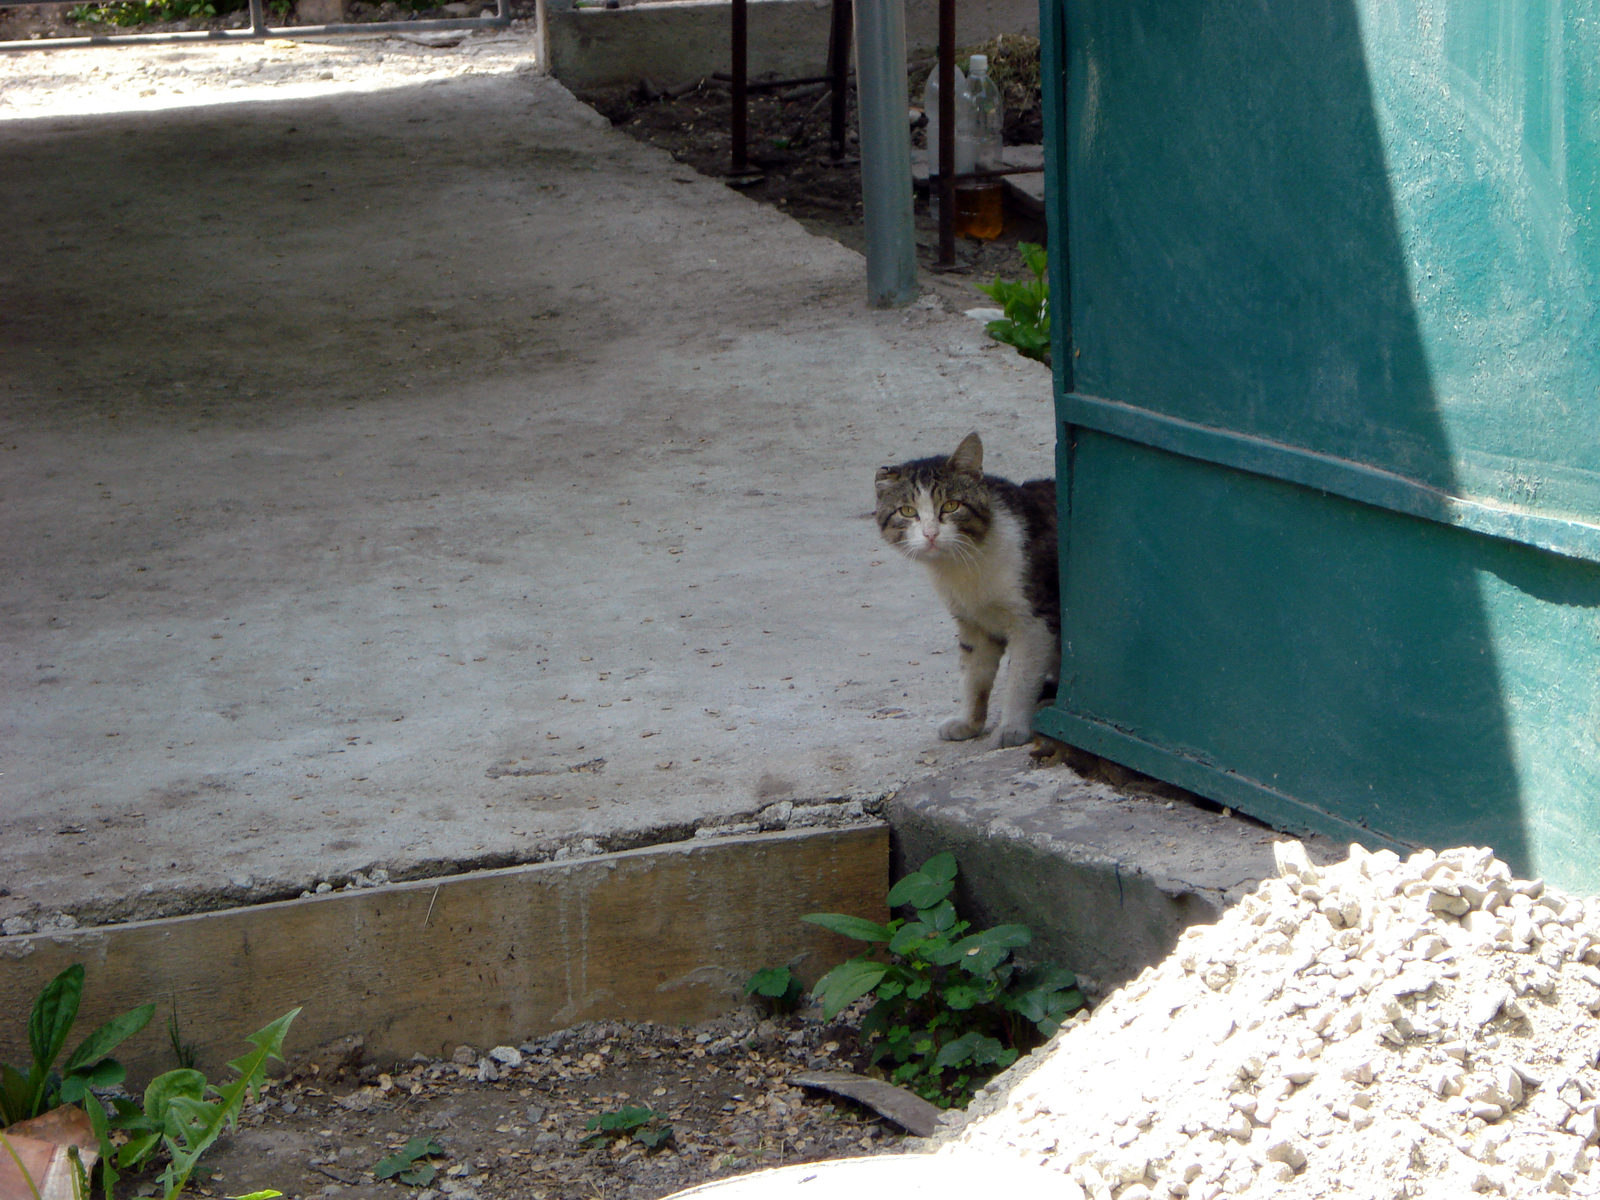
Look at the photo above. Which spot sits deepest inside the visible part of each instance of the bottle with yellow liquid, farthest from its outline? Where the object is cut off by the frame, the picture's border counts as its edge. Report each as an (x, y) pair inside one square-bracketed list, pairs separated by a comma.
[(980, 203)]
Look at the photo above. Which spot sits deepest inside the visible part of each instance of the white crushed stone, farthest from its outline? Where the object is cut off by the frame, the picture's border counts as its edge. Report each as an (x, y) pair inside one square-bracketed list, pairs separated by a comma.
[(1375, 1029)]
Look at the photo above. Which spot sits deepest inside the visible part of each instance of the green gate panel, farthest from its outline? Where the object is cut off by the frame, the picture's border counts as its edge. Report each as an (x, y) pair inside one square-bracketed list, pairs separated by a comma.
[(1329, 392)]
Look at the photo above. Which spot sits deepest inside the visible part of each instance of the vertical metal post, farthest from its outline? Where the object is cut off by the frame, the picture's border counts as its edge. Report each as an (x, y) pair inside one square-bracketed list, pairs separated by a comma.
[(881, 111), (258, 19), (839, 74), (541, 37), (741, 158), (947, 133)]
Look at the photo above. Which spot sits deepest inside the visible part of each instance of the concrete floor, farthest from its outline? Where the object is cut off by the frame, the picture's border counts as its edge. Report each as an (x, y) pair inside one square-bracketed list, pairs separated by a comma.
[(423, 476)]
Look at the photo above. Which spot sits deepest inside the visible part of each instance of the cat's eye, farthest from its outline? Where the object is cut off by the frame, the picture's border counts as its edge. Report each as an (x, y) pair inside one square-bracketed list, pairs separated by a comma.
[(948, 507), (907, 510)]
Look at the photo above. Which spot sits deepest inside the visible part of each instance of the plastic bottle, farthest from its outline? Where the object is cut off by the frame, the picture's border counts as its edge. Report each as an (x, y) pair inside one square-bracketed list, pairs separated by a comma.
[(930, 105), (980, 203)]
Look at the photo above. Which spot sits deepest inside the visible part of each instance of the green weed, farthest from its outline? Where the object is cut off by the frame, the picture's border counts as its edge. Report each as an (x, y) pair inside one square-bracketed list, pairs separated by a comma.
[(55, 1012), (182, 1113), (778, 987), (1026, 303), (643, 1125), (405, 1165), (951, 1008)]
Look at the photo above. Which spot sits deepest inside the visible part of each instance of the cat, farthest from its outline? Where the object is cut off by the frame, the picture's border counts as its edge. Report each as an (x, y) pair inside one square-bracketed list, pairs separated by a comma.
[(990, 546)]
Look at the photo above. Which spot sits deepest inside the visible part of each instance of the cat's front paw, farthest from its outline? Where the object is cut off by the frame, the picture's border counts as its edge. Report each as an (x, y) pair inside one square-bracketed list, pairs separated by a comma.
[(958, 729), (1013, 735)]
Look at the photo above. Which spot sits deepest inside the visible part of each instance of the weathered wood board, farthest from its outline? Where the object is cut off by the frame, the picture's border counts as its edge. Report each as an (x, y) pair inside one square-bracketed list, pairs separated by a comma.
[(668, 933)]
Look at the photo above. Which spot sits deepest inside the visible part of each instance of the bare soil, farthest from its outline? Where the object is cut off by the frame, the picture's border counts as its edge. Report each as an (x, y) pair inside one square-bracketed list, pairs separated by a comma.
[(520, 1132)]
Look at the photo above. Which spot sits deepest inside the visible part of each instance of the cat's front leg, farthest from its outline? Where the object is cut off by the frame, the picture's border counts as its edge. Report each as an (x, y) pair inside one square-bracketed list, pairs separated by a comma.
[(980, 660), (1034, 653)]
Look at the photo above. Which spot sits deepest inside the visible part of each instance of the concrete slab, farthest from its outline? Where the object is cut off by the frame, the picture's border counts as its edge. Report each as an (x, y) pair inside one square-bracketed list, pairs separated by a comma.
[(414, 473), (1106, 878)]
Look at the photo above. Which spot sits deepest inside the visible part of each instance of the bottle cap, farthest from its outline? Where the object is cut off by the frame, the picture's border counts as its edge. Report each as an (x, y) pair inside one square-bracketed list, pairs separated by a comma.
[(979, 65)]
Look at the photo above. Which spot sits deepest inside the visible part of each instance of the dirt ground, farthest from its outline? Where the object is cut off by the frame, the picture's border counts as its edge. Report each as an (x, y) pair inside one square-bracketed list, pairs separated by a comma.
[(516, 1129)]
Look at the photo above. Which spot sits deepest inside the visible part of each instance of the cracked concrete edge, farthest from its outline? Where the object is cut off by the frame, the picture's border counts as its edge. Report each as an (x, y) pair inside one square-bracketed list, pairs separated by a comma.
[(834, 812)]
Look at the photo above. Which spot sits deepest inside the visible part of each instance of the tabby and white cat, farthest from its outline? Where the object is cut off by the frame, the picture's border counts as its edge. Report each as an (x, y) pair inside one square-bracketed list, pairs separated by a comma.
[(990, 546)]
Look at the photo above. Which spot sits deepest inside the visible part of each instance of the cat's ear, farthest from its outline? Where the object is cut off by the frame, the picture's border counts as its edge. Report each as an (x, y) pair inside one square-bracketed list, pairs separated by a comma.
[(887, 478), (968, 457)]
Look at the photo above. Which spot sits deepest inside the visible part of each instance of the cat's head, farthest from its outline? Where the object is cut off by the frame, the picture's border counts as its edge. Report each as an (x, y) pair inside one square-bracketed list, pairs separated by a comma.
[(936, 510)]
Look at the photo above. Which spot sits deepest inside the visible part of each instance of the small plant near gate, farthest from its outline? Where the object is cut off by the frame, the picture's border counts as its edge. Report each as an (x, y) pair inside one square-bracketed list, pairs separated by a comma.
[(643, 1125), (1026, 303), (952, 1008)]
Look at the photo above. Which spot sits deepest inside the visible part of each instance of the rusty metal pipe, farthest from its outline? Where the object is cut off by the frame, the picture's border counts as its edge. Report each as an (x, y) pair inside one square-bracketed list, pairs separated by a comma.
[(741, 99), (947, 133)]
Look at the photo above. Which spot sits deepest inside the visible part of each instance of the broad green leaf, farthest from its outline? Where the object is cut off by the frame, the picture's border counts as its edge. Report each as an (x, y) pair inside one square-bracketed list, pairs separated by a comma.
[(420, 1175), (941, 867), (919, 891), (851, 927), (653, 1137), (108, 1037), (908, 937), (163, 1089), (405, 1158), (1047, 977), (15, 1092), (108, 1072), (54, 1011), (847, 983), (969, 1047), (136, 1149), (962, 996), (917, 989), (979, 953), (769, 981), (623, 1120), (942, 917)]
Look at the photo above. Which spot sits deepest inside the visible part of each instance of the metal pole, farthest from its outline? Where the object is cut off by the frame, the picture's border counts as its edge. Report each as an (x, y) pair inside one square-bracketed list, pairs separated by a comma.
[(258, 18), (741, 158), (947, 133), (881, 108), (839, 74)]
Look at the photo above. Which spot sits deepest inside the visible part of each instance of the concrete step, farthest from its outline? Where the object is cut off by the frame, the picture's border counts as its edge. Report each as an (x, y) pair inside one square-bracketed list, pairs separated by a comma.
[(1106, 877)]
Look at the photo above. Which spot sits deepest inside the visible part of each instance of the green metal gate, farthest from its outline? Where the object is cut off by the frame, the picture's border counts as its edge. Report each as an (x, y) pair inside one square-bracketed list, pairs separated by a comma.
[(1329, 398)]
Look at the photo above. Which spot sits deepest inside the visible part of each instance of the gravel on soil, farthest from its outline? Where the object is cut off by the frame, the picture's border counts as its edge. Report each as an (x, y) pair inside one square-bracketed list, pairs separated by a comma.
[(512, 1120), (1378, 1029)]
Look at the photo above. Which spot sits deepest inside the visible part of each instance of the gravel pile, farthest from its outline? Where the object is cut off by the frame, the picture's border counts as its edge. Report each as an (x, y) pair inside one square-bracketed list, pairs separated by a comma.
[(1374, 1029)]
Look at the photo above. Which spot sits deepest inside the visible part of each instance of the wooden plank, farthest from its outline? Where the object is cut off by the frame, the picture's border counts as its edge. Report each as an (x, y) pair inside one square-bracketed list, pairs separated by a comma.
[(667, 933)]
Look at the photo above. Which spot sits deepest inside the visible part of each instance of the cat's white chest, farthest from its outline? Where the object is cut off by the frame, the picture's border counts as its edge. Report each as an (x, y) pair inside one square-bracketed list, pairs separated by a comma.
[(986, 588)]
